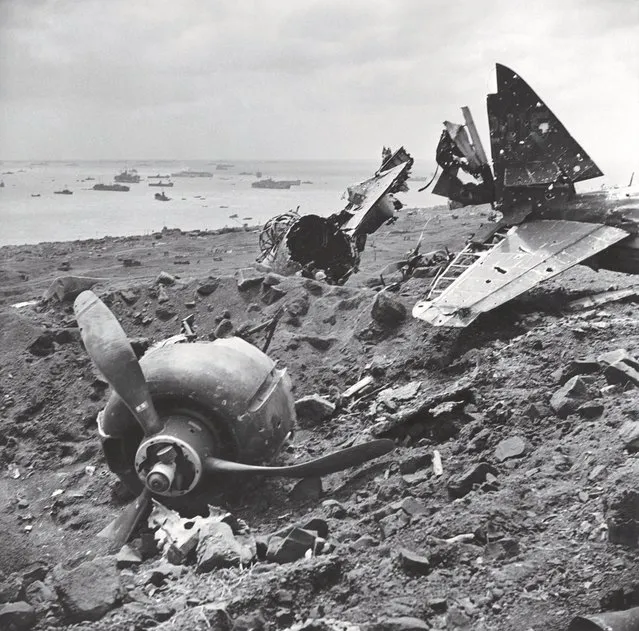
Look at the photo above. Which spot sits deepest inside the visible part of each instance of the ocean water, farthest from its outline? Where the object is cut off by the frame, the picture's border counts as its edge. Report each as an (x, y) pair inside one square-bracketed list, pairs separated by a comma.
[(196, 203)]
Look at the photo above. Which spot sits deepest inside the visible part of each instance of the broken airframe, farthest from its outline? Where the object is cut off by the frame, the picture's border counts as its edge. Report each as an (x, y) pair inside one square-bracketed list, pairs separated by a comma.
[(546, 227), (330, 247)]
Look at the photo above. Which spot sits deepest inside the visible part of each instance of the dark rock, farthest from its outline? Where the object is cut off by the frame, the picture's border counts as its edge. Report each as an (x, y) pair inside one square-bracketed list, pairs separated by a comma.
[(312, 410), (318, 526), (217, 547), (18, 616), (438, 605), (415, 462), (189, 304), (622, 517), (306, 489), (568, 398), (388, 310), (43, 345), (249, 277), (34, 572), (64, 266), (579, 367), (67, 335), (590, 410), (224, 329), (207, 288), (164, 313), (293, 547), (413, 562), (462, 484), (88, 591), (164, 278), (271, 294), (513, 447), (621, 373), (10, 589), (131, 263), (226, 314), (317, 341)]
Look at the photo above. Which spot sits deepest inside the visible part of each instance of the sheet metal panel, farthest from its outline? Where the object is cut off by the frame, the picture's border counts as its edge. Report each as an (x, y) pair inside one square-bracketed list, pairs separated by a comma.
[(531, 253), (374, 188)]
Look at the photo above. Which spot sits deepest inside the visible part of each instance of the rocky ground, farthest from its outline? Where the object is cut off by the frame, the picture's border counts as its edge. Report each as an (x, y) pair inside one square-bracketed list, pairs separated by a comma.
[(531, 520)]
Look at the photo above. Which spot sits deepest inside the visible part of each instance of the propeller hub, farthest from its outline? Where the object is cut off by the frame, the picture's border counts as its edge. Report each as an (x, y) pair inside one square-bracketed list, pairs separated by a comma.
[(171, 463), (160, 478)]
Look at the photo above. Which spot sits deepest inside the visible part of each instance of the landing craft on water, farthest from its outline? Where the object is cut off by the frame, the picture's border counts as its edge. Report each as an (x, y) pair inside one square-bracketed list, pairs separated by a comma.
[(546, 227)]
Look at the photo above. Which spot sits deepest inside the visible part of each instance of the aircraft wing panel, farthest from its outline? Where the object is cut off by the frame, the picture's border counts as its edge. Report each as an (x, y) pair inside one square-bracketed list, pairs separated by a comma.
[(371, 191), (529, 254)]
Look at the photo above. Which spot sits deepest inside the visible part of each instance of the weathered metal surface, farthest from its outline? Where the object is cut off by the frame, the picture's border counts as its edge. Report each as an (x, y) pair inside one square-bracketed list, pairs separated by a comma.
[(531, 253), (365, 196), (524, 131)]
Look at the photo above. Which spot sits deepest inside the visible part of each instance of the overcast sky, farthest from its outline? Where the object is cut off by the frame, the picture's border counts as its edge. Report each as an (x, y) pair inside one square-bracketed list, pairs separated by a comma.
[(231, 79)]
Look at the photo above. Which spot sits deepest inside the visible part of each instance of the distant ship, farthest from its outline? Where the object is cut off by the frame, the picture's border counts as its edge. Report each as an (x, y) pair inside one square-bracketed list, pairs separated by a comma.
[(35, 194), (162, 196), (269, 183), (64, 191), (158, 177), (189, 173), (224, 167), (1, 183), (169, 184), (131, 177), (111, 187)]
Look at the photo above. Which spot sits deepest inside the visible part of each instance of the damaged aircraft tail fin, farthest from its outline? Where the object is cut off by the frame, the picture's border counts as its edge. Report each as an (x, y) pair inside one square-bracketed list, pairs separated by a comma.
[(530, 146)]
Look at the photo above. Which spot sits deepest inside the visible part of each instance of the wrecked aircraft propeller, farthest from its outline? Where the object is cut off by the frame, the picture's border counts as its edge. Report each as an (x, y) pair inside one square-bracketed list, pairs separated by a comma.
[(186, 416), (330, 247), (546, 227)]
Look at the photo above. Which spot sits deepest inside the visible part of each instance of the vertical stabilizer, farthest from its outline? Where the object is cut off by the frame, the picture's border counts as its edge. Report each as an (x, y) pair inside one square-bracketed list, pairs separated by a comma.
[(529, 144)]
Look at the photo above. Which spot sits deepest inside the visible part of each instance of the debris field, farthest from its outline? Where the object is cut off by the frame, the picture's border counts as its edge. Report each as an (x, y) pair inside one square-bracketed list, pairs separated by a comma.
[(510, 500)]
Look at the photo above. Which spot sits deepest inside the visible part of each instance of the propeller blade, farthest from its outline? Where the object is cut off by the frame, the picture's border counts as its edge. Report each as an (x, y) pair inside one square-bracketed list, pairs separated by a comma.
[(121, 528), (324, 465), (108, 346)]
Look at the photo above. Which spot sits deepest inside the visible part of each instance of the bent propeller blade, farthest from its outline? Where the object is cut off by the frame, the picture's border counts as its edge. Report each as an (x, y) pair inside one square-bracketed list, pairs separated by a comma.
[(108, 346), (121, 528), (337, 461)]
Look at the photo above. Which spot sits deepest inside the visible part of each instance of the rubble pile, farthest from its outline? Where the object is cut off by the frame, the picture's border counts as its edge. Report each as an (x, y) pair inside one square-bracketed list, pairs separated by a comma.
[(510, 501)]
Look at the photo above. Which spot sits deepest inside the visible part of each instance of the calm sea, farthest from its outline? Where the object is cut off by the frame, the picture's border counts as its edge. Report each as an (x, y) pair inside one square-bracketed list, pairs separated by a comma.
[(226, 199)]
